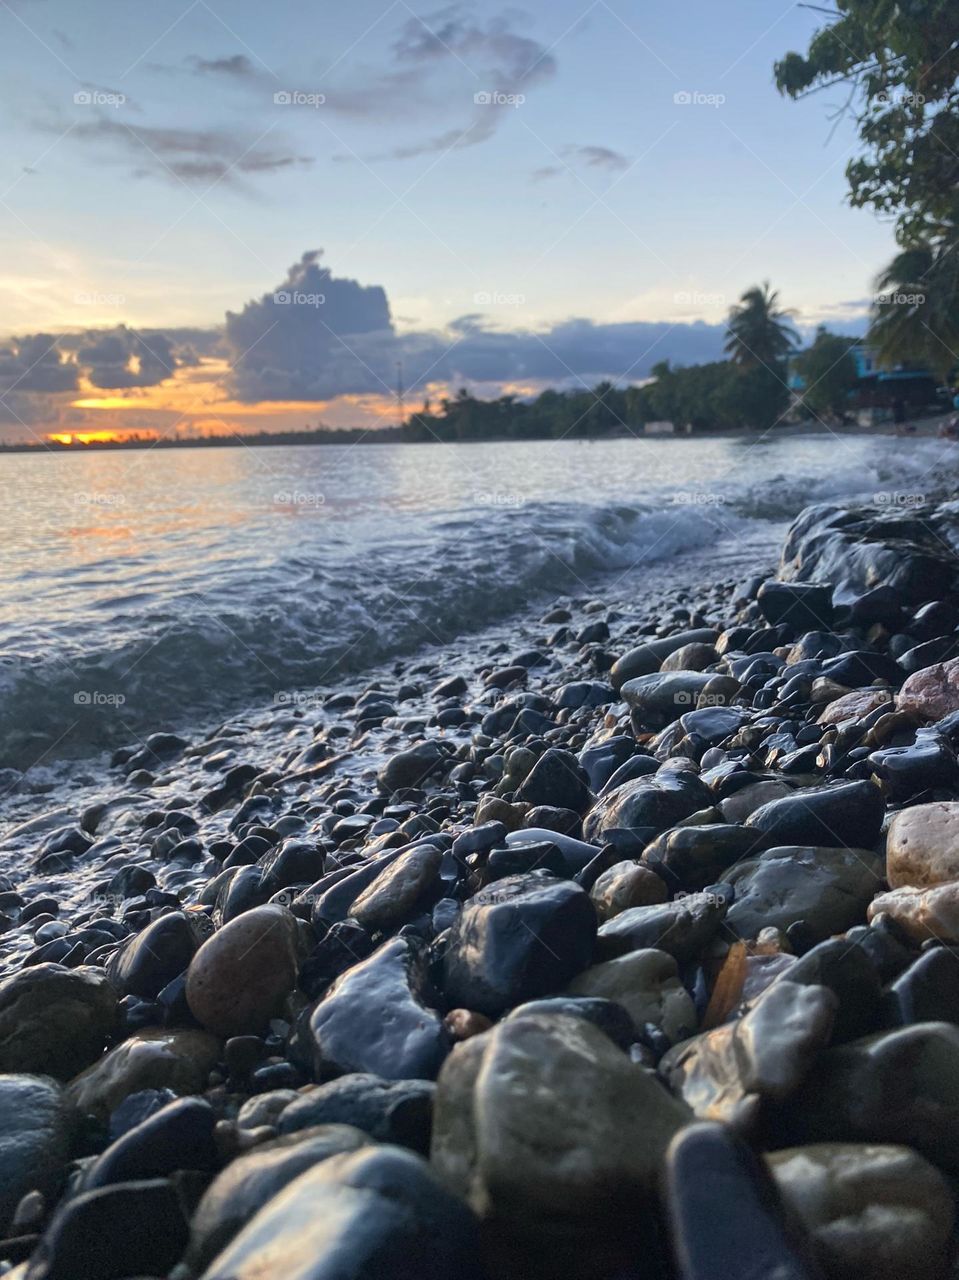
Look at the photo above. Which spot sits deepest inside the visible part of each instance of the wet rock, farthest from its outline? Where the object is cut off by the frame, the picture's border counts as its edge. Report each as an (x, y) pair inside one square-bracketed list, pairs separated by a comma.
[(848, 814), (932, 693), (924, 915), (648, 657), (544, 1126), (36, 1125), (377, 1212), (692, 857), (625, 885), (646, 983), (913, 772), (556, 779), (874, 1210), (645, 807), (724, 1214), (179, 1060), (737, 807), (178, 1136), (800, 606), (145, 963), (826, 890), (396, 892), (524, 937), (852, 974), (251, 1180), (925, 992), (855, 705), (898, 1086), (575, 853), (54, 1020), (375, 1019), (660, 699), (682, 927), (729, 1073), (113, 1233), (922, 845), (413, 767), (395, 1111), (239, 978)]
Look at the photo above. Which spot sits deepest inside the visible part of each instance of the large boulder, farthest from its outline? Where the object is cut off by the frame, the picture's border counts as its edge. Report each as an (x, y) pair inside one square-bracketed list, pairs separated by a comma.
[(844, 815), (180, 1060), (55, 1020)]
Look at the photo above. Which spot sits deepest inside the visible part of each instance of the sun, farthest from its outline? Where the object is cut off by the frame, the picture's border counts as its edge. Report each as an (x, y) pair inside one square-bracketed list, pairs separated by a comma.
[(70, 438)]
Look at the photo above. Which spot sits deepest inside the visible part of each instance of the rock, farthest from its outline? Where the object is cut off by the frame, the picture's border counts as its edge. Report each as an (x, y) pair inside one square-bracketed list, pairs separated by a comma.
[(724, 1215), (373, 1214), (682, 928), (646, 983), (178, 1136), (660, 699), (113, 1233), (240, 977), (145, 963), (736, 808), (922, 845), (179, 1060), (645, 807), (36, 1126), (556, 779), (625, 885), (691, 657), (413, 767), (922, 914), (913, 772), (395, 1111), (729, 1073), (374, 1019), (881, 1211), (826, 890), (692, 857), (54, 1020), (855, 705), (251, 1180), (925, 992), (647, 658), (611, 1018), (394, 895), (851, 973), (524, 937), (492, 808), (932, 693), (576, 853), (800, 606), (548, 1129), (898, 1086), (845, 815)]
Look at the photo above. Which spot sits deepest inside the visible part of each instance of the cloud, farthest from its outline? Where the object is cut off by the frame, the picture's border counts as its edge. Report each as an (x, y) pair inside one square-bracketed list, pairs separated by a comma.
[(35, 363), (290, 345), (236, 65), (210, 155), (589, 155), (121, 358)]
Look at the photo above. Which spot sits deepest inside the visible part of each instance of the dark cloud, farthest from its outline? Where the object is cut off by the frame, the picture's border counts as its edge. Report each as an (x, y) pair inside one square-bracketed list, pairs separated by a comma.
[(236, 65), (189, 154), (312, 338), (590, 156), (288, 345), (120, 358), (35, 362)]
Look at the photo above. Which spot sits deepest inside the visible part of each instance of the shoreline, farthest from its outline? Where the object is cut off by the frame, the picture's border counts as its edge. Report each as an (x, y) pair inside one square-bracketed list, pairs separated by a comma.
[(561, 887)]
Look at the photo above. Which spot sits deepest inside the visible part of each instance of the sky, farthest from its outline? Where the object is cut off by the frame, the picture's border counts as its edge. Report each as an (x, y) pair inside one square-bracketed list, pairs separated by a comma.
[(243, 216)]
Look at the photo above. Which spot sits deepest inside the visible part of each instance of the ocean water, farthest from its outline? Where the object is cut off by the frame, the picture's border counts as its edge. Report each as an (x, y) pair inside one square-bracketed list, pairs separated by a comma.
[(155, 589)]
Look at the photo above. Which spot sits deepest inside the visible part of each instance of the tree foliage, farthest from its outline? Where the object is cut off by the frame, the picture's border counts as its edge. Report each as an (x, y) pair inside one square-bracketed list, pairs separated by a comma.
[(759, 333), (828, 370)]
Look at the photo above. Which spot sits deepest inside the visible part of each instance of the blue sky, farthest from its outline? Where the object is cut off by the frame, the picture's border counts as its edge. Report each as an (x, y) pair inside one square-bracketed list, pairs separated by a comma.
[(150, 178)]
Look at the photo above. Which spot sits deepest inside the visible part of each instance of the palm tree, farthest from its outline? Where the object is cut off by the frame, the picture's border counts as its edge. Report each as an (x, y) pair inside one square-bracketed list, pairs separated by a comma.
[(916, 310), (758, 332)]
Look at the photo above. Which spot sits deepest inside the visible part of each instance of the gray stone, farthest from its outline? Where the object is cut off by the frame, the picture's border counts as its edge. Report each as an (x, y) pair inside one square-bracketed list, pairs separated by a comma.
[(35, 1134), (55, 1020), (646, 983)]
